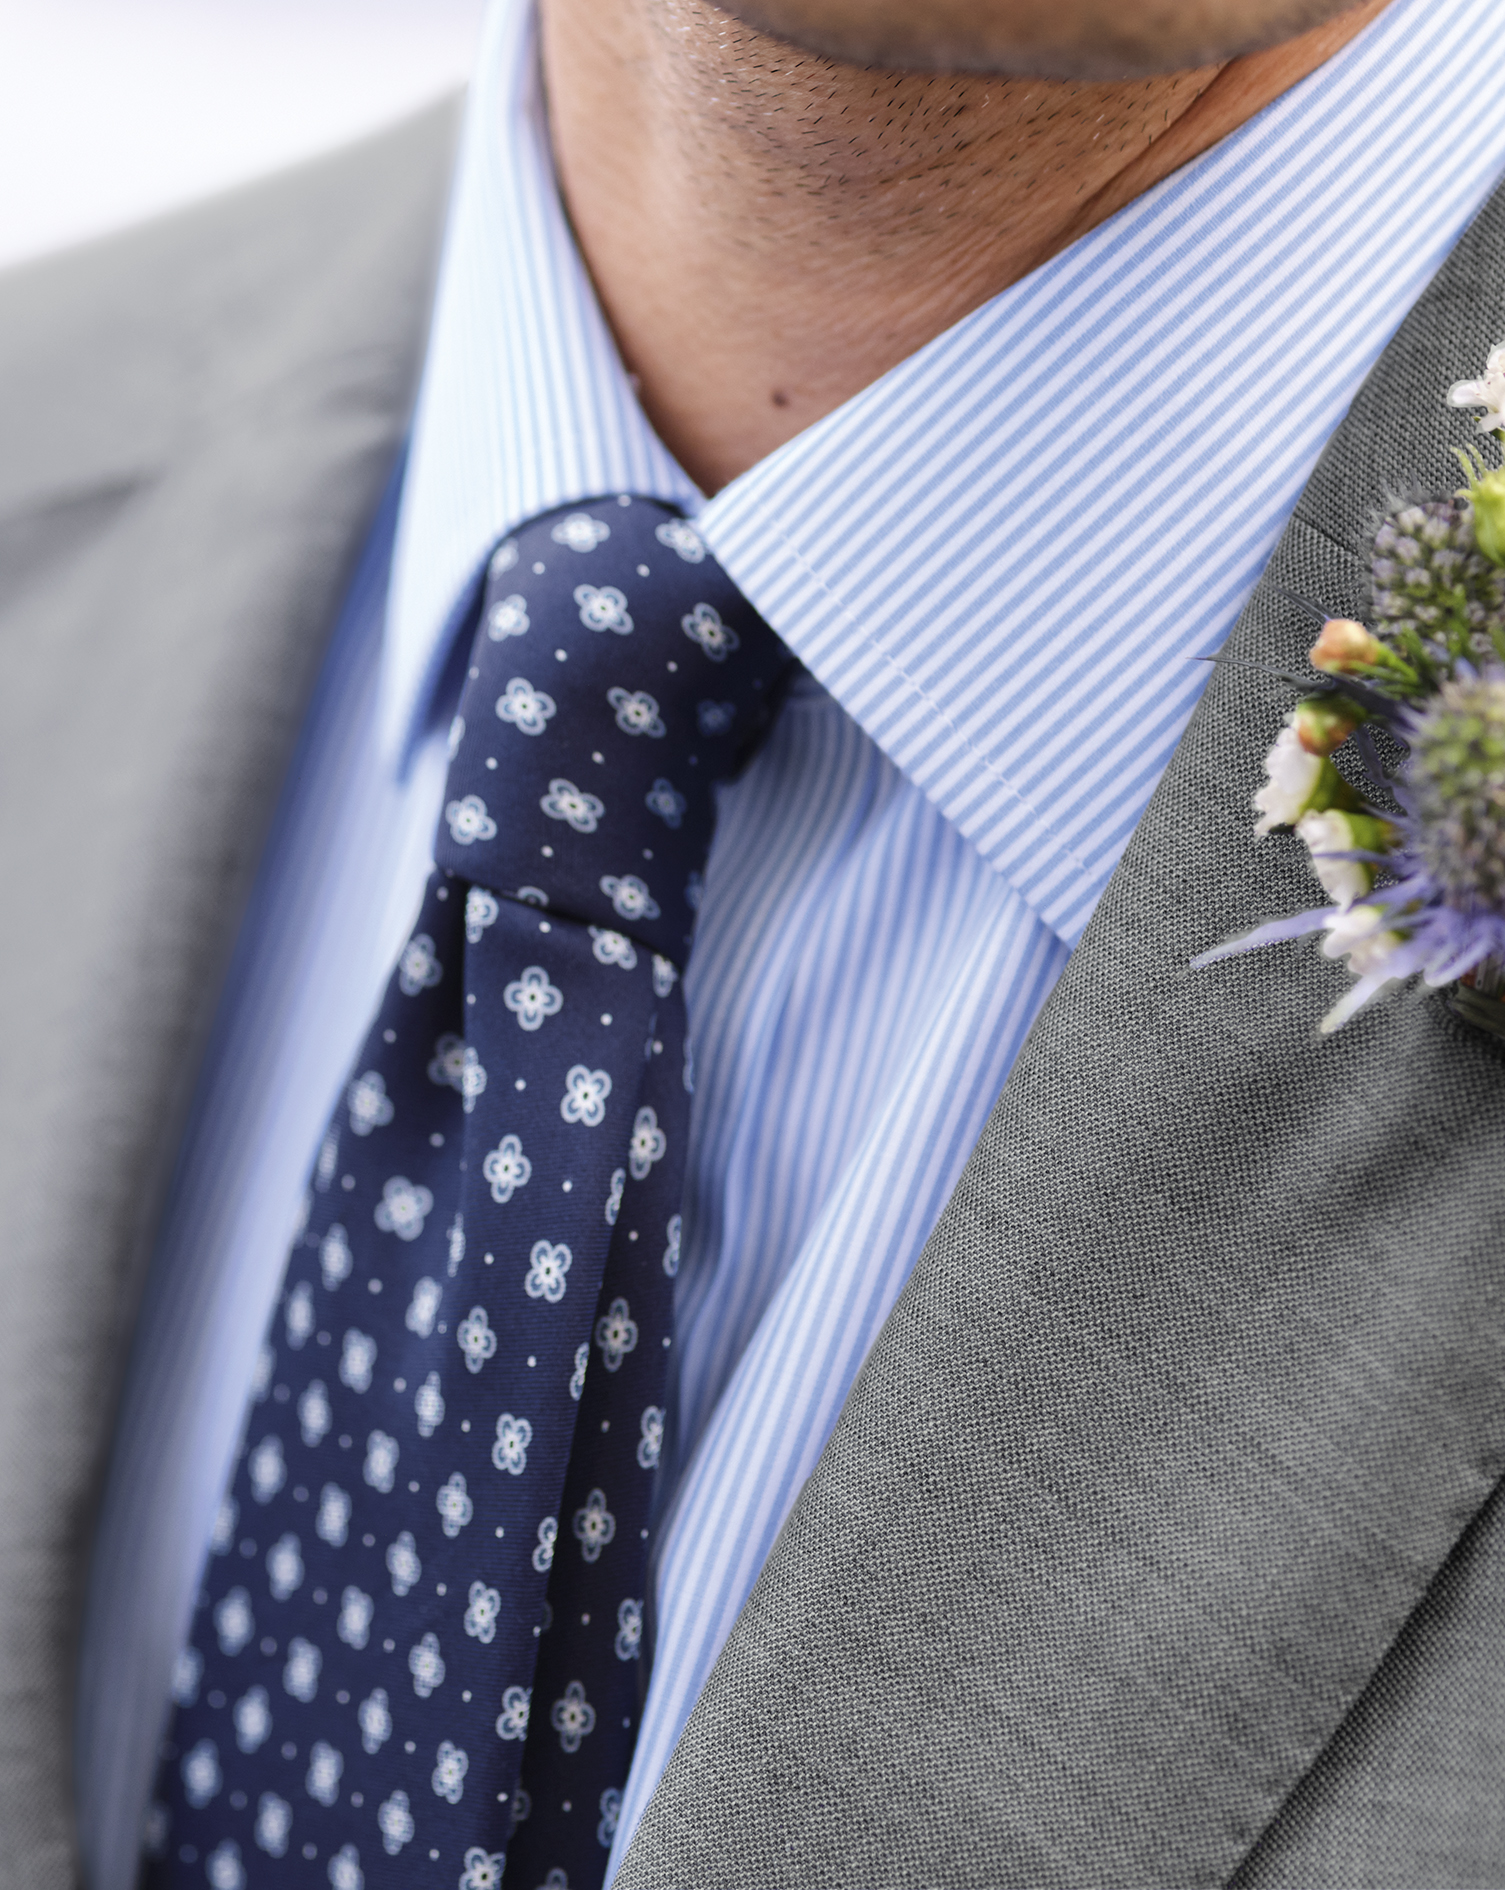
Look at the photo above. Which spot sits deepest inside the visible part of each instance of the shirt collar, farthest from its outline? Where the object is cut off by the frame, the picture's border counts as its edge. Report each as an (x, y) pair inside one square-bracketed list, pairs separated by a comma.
[(1002, 557)]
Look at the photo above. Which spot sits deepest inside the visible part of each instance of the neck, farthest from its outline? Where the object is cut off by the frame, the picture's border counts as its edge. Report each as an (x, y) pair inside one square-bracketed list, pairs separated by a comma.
[(769, 232)]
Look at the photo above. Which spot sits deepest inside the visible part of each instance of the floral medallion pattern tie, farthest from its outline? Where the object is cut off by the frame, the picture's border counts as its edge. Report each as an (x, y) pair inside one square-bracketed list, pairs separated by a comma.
[(416, 1658)]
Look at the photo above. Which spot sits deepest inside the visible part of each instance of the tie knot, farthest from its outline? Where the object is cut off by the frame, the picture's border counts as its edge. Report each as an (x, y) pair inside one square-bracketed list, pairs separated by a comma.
[(617, 675)]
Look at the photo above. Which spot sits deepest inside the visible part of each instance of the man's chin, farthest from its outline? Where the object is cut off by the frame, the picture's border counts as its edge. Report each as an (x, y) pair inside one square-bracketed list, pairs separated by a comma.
[(1050, 39)]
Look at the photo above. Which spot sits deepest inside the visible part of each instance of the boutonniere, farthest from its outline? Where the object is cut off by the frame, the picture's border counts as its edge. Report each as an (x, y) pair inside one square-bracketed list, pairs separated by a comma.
[(1391, 765)]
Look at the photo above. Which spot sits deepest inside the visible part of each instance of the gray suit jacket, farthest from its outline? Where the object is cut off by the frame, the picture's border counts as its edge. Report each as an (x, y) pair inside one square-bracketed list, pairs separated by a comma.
[(196, 421), (1156, 1544)]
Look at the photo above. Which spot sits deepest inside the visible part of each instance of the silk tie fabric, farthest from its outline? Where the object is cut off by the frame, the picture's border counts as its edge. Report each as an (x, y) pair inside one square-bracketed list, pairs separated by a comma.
[(417, 1653)]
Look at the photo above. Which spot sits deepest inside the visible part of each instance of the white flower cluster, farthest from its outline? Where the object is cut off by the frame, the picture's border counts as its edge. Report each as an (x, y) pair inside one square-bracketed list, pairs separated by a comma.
[(1488, 393)]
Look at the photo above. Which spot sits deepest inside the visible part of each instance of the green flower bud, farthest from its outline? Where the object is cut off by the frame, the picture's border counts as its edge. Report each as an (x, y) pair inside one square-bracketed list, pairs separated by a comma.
[(1346, 648), (1488, 498), (1324, 723)]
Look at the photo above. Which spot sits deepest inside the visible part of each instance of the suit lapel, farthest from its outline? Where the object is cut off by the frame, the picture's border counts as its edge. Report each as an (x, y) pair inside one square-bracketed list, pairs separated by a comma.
[(1197, 1383)]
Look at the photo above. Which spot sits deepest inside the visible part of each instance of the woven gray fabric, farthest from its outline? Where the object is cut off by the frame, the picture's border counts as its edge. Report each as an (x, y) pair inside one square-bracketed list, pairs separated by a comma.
[(199, 418), (1196, 1387)]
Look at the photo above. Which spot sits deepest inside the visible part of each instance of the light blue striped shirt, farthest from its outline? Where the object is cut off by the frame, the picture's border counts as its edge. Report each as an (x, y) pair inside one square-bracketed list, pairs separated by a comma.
[(997, 565)]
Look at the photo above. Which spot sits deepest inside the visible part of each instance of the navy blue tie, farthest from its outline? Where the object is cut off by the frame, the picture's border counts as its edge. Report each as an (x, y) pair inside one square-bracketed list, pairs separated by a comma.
[(418, 1653)]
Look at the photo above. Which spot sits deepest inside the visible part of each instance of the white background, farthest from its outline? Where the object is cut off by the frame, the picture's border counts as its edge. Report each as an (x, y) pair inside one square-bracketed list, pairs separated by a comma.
[(113, 110)]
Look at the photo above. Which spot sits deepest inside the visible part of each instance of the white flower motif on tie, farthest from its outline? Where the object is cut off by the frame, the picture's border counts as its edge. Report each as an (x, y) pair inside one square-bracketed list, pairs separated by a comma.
[(502, 560), (582, 1363), (261, 1378), (423, 1308), (454, 1505), (267, 1469), (226, 1517), (580, 532), (426, 1665), (512, 1723), (614, 1199), (253, 1720), (335, 1257), (681, 536), (456, 736), (469, 821), (564, 801), (428, 1405), (482, 909), (651, 1424), (507, 1169), (394, 1819), (629, 896), (483, 1869), (704, 626), (476, 1338), (357, 1610), (329, 1155), (647, 1144), (223, 1867), (612, 948), (603, 609), (345, 1871), (548, 1535), (472, 1079), (187, 1671), (665, 800), (449, 1773), (403, 1564), (374, 1717), (585, 1094), (299, 1315), (671, 1252), (380, 1469), (637, 712), (314, 1414), (202, 1777), (447, 1066), (274, 1823), (532, 998), (285, 1566), (357, 1360), (629, 1639), (616, 1334), (333, 1525), (532, 896), (418, 969), (665, 974), (403, 1208), (300, 1677), (548, 1263), (483, 1612), (508, 617), (572, 1717), (513, 1436), (556, 1879), (368, 1102), (456, 1242), (529, 710), (715, 718), (325, 1767), (594, 1525)]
